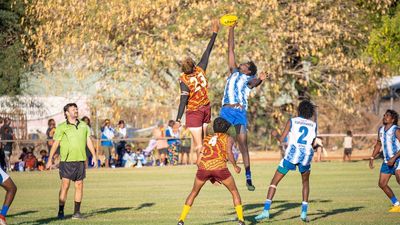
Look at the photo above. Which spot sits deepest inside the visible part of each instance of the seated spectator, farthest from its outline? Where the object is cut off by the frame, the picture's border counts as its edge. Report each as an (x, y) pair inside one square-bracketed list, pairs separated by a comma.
[(140, 158), (30, 161), (43, 160), (20, 165), (128, 160)]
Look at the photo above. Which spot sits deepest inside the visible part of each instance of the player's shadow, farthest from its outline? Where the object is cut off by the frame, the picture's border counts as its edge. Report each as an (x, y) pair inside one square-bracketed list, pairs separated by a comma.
[(23, 213), (86, 215), (145, 205), (323, 214)]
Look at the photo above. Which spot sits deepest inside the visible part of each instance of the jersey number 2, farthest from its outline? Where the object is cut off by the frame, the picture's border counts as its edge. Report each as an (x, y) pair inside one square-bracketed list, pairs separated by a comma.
[(304, 131)]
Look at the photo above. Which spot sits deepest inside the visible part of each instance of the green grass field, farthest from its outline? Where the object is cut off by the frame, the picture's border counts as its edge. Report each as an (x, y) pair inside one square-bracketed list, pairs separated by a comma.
[(341, 193)]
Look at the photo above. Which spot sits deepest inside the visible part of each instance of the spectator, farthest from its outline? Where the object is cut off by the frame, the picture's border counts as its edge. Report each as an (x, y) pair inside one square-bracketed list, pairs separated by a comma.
[(172, 143), (93, 137), (121, 134), (6, 151), (50, 133), (41, 165), (107, 134), (20, 165), (128, 159), (348, 146), (30, 161), (318, 148), (184, 152), (6, 124), (162, 144), (140, 159)]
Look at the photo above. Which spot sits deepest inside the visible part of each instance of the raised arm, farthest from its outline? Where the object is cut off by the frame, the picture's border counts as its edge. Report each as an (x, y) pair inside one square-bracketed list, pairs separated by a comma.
[(206, 55), (183, 100), (231, 49)]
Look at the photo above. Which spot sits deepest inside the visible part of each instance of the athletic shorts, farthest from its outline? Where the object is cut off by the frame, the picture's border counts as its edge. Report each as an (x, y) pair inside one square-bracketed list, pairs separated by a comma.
[(185, 149), (198, 117), (235, 116), (3, 176), (163, 151), (107, 151), (390, 169), (213, 175), (285, 166), (347, 151), (72, 170)]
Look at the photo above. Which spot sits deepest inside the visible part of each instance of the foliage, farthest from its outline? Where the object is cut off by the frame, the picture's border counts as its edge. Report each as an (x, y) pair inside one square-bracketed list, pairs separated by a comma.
[(11, 54), (384, 44), (310, 48)]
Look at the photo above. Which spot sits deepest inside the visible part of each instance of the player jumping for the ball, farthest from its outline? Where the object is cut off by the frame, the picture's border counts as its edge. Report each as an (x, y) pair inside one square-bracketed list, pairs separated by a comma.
[(194, 93), (302, 132), (388, 140), (212, 166), (241, 80)]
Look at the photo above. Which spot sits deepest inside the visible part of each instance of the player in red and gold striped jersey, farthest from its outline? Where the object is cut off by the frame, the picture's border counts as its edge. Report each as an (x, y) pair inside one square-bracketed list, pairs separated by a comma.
[(194, 93), (212, 166)]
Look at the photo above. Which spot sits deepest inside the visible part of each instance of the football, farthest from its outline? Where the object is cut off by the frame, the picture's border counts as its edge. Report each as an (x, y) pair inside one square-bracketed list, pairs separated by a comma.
[(228, 20)]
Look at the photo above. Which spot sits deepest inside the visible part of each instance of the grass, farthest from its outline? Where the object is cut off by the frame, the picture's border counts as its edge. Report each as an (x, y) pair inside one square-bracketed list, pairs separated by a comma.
[(341, 193)]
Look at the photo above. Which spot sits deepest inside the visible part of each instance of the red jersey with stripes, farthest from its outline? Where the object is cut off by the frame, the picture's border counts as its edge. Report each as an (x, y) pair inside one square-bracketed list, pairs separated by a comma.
[(197, 84), (214, 152)]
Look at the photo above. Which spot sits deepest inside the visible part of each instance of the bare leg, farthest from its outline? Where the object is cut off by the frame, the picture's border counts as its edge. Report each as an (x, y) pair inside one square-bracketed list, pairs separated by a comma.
[(197, 135), (270, 195), (11, 190), (383, 184), (198, 184), (64, 190), (305, 177), (230, 184)]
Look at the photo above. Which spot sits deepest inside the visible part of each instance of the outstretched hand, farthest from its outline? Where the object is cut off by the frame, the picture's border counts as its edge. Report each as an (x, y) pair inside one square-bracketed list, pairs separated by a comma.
[(215, 26), (263, 75)]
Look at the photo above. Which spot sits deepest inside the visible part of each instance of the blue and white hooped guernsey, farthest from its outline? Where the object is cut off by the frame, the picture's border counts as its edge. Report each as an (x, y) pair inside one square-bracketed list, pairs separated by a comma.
[(236, 89), (301, 136), (390, 144)]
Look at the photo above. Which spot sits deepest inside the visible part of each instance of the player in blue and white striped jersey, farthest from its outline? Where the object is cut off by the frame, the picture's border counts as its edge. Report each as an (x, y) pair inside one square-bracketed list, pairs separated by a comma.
[(241, 80), (301, 132), (388, 140)]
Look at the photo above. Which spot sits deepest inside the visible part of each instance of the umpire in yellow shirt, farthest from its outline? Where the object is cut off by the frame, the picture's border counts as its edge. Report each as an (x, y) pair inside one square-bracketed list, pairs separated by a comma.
[(72, 135)]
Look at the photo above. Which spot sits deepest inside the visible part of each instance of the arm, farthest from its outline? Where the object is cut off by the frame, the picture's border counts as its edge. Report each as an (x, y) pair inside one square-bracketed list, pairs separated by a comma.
[(206, 55), (92, 150), (231, 49), (52, 151), (230, 154), (377, 147), (183, 101), (257, 81), (284, 133)]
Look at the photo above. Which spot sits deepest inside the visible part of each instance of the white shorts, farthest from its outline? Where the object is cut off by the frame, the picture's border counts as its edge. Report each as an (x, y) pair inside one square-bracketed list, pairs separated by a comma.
[(3, 176)]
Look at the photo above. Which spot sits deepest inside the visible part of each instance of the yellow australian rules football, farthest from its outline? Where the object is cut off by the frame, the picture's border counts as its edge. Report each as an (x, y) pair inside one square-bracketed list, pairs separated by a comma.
[(228, 20)]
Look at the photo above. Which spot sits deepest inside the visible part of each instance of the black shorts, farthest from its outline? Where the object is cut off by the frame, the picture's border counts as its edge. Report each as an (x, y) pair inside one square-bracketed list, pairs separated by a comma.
[(73, 170), (185, 149), (347, 151), (163, 151)]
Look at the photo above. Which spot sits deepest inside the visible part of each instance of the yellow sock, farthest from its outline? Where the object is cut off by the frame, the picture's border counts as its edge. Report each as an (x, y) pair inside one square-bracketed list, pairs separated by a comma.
[(239, 212), (184, 213)]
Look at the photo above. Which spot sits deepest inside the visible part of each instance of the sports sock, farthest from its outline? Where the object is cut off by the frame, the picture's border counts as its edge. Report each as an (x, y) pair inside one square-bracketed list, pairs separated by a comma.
[(4, 210), (184, 213), (394, 201), (61, 208), (239, 212), (248, 173), (77, 207), (267, 204), (304, 206)]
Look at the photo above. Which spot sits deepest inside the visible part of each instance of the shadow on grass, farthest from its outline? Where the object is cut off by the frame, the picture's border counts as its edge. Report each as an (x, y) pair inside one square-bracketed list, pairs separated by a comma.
[(90, 214), (22, 213), (281, 206), (145, 205)]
